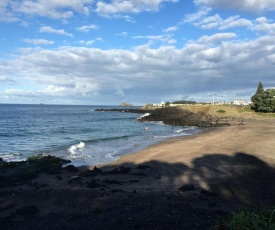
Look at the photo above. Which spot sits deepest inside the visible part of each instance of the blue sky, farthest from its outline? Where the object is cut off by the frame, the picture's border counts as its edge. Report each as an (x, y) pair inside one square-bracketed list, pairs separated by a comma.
[(137, 51)]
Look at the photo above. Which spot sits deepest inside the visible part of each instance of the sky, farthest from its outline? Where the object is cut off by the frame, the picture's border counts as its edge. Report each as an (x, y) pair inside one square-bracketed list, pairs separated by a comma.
[(89, 52)]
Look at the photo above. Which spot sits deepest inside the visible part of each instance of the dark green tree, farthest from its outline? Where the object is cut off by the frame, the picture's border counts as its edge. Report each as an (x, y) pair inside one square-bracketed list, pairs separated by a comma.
[(260, 88), (167, 104), (263, 101), (268, 101), (257, 98)]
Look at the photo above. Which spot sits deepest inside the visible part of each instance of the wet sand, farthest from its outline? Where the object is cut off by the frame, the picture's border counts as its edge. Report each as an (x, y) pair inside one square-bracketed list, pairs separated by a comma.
[(182, 183)]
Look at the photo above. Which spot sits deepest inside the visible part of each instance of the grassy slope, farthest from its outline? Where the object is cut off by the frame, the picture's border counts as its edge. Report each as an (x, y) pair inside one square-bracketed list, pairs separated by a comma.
[(230, 111)]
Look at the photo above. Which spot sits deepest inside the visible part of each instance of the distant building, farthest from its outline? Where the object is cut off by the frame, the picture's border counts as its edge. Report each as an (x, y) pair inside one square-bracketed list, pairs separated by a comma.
[(162, 104), (241, 102)]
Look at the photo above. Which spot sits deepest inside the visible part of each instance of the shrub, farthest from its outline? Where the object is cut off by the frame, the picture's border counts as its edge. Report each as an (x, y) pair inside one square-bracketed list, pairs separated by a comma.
[(261, 218)]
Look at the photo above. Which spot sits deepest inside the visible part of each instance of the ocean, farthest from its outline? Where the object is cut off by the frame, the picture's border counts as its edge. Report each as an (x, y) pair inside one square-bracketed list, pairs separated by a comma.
[(78, 133)]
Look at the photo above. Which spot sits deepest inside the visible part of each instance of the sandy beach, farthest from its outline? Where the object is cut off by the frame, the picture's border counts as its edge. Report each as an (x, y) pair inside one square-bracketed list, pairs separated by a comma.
[(217, 155), (182, 183)]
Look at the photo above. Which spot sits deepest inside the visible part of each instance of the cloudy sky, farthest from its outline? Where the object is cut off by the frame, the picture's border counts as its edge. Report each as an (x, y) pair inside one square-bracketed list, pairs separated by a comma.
[(137, 51)]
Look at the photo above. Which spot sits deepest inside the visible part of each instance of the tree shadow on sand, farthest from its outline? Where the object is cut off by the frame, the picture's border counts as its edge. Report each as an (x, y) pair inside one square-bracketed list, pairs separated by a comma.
[(151, 195), (241, 177)]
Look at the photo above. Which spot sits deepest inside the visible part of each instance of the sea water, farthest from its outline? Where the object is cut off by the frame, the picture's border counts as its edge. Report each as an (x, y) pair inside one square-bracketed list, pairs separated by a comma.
[(77, 133)]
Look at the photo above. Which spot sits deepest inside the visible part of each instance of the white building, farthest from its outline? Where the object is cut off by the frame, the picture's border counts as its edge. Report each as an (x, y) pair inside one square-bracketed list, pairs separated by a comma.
[(162, 104), (241, 102)]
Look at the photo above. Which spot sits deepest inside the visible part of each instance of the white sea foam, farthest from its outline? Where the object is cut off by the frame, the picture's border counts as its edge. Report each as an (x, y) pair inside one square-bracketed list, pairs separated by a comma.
[(74, 148), (160, 123), (12, 157), (109, 155), (180, 130), (144, 115)]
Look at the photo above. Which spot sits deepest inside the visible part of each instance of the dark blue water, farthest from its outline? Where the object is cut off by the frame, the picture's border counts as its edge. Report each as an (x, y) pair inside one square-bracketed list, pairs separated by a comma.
[(77, 133)]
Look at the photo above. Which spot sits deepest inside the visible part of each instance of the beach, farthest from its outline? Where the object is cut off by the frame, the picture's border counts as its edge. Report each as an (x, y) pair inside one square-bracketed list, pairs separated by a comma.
[(217, 155), (182, 183)]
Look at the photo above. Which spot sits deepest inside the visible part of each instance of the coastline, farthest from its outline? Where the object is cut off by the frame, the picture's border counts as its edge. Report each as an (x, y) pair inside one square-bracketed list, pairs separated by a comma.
[(184, 182), (226, 140), (187, 157)]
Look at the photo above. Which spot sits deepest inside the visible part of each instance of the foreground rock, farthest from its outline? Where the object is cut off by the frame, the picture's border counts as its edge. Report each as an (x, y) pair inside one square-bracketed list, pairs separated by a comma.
[(124, 197), (15, 173)]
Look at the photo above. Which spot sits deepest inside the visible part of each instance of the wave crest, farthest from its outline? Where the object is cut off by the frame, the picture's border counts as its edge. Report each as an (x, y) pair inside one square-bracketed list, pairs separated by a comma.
[(74, 148)]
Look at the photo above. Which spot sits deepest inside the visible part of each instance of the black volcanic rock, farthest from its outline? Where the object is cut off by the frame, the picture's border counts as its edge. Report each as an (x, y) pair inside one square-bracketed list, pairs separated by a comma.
[(120, 170), (174, 116), (140, 111), (177, 116)]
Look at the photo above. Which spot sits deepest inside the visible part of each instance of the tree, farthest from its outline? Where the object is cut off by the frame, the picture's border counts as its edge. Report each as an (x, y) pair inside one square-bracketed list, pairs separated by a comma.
[(167, 104), (268, 101), (260, 88), (257, 98), (263, 101)]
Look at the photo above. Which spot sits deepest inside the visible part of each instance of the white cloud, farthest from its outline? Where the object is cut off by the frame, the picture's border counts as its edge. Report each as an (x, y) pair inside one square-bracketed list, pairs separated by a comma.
[(244, 5), (14, 10), (11, 93), (5, 79), (79, 89), (233, 22), (172, 41), (87, 43), (53, 8), (129, 6), (198, 16), (264, 25), (170, 29), (5, 14), (166, 38), (202, 20), (123, 34), (39, 41), (87, 28), (217, 37), (90, 42), (50, 30), (127, 18), (198, 68)]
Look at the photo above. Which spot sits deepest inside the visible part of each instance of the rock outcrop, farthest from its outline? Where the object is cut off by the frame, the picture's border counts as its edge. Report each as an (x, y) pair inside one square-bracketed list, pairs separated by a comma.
[(174, 116), (177, 116)]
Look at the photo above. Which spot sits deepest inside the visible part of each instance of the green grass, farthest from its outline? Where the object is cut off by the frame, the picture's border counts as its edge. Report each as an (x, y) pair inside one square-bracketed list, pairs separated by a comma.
[(248, 109), (221, 111), (259, 218), (266, 114), (242, 109)]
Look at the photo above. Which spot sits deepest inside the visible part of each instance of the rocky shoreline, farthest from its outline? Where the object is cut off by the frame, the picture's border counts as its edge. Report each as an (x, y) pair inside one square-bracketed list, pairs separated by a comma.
[(176, 116)]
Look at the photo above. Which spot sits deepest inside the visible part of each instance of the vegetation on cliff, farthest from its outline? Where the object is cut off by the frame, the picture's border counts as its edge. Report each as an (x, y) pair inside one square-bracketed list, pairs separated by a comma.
[(125, 104), (184, 102)]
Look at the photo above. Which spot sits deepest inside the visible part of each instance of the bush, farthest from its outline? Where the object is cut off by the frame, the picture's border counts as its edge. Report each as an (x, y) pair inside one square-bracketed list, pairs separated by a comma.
[(261, 218), (221, 111)]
